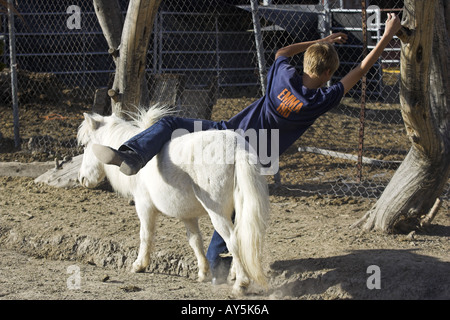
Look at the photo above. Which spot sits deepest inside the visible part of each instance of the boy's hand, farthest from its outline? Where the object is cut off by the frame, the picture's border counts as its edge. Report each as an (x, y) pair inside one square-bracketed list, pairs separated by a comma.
[(297, 48), (339, 37), (393, 25)]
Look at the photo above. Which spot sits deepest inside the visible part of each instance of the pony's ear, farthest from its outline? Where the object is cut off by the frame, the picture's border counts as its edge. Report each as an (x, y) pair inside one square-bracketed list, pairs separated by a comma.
[(94, 124)]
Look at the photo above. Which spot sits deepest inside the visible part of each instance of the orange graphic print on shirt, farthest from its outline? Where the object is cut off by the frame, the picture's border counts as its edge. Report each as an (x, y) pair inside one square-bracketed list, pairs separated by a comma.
[(289, 103)]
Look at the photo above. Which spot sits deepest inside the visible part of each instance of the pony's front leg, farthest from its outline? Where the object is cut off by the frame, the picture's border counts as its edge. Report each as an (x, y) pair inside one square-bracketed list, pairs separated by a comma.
[(195, 240), (147, 214)]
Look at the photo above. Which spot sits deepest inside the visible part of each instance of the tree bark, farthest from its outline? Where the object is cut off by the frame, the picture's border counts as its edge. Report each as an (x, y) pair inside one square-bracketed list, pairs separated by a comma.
[(111, 21), (422, 176), (129, 51)]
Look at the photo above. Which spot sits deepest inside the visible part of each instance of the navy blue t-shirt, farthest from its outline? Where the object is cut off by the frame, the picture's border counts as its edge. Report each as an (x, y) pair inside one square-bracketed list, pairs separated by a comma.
[(287, 105)]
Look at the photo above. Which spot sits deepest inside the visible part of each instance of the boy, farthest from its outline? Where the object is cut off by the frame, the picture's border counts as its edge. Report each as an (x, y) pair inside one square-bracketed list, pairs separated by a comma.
[(291, 104)]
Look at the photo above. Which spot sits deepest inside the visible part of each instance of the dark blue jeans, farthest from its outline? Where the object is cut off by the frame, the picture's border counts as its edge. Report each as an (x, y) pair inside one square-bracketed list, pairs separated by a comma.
[(149, 143)]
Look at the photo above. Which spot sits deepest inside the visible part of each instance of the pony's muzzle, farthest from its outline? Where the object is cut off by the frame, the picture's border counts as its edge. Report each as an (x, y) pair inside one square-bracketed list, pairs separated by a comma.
[(85, 182)]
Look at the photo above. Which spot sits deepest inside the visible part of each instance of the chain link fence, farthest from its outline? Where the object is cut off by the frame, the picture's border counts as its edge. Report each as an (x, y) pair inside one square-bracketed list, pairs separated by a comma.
[(216, 54)]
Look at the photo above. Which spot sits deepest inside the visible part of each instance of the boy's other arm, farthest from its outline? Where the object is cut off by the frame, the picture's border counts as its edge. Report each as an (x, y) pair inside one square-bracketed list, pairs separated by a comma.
[(300, 47), (392, 26)]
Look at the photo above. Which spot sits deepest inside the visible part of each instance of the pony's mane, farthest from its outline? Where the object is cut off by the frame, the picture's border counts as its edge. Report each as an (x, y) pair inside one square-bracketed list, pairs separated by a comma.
[(116, 130), (145, 118)]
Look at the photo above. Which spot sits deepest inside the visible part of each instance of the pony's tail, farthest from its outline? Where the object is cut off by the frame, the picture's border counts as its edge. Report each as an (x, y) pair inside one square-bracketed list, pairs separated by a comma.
[(251, 202)]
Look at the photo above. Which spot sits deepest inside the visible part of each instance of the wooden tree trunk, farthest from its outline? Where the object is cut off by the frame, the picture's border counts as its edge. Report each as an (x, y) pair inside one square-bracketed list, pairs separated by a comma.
[(421, 178), (129, 90), (110, 18)]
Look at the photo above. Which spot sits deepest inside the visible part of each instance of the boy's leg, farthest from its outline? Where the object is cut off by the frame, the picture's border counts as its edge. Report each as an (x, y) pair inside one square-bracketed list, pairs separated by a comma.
[(218, 265), (140, 149)]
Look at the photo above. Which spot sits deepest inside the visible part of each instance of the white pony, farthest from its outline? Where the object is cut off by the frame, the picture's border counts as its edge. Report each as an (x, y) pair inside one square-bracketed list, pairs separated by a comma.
[(186, 184)]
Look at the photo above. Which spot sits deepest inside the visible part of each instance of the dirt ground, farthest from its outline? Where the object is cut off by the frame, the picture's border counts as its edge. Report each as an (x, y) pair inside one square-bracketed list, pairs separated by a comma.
[(75, 243), (49, 235)]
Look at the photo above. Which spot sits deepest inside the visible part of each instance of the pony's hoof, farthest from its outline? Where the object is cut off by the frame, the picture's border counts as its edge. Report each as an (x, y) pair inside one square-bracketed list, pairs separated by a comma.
[(203, 277), (136, 268), (238, 291)]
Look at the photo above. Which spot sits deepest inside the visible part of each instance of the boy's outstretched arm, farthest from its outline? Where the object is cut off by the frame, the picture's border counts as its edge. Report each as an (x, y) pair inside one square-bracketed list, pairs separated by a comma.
[(392, 26), (300, 47)]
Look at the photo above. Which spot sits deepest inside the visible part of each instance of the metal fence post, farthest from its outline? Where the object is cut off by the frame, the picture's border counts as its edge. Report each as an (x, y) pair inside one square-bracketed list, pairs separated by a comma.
[(324, 24), (216, 22), (324, 20), (13, 69), (261, 58), (259, 45), (362, 113)]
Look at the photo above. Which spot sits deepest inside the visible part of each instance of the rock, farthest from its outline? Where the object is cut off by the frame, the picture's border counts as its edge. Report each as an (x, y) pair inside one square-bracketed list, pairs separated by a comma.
[(65, 176), (105, 278), (130, 288), (411, 236)]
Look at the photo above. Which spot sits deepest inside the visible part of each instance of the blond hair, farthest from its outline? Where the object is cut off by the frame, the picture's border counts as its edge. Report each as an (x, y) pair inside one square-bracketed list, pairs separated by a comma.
[(319, 58)]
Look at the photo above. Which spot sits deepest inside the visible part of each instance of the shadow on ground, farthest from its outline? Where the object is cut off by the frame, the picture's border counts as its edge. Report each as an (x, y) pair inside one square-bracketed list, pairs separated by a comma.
[(403, 274)]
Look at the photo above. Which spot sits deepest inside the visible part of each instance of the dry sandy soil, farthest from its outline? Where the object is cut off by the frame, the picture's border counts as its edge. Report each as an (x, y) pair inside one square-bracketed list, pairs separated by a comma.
[(50, 237), (310, 251)]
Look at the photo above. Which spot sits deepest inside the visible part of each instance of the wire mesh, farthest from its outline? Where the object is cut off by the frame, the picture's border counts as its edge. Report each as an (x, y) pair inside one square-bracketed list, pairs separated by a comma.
[(208, 49)]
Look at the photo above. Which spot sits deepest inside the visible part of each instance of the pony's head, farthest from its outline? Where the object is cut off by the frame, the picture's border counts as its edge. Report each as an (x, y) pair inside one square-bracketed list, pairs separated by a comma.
[(92, 171), (110, 131)]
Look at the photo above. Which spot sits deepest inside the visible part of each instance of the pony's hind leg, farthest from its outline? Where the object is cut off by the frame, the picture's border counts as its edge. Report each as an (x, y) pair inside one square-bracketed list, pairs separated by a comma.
[(195, 241), (147, 217)]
